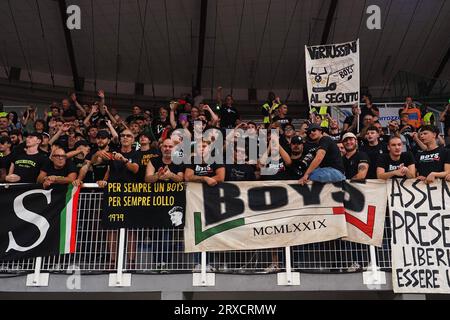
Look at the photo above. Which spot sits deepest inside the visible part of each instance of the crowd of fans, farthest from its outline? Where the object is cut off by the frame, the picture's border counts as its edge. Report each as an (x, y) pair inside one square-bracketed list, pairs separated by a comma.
[(92, 143), (76, 143)]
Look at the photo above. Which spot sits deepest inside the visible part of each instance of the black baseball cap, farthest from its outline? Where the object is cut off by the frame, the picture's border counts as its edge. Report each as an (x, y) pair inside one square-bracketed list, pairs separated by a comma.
[(297, 140), (314, 126), (102, 134)]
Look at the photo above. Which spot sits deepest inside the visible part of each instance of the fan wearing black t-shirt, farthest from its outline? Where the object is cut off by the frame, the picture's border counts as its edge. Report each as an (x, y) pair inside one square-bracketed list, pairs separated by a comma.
[(96, 167), (435, 162), (5, 156), (123, 166), (327, 165), (373, 148), (26, 166), (162, 167), (211, 174), (356, 163), (240, 170), (396, 164), (59, 170)]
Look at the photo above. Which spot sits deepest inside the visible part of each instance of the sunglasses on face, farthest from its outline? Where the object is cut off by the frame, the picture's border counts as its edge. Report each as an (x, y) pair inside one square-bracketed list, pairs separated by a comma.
[(59, 156), (126, 136)]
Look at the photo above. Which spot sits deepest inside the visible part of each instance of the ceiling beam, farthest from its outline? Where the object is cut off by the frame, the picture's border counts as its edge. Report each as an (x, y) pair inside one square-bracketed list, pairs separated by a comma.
[(69, 46), (329, 21), (201, 43)]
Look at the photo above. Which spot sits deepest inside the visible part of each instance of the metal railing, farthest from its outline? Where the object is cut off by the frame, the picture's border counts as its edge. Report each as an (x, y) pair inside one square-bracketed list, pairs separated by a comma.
[(162, 251)]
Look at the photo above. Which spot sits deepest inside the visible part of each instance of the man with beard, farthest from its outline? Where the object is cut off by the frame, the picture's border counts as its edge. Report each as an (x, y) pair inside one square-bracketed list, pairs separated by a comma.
[(26, 166), (300, 160), (327, 164), (396, 164), (162, 168), (356, 163), (95, 170)]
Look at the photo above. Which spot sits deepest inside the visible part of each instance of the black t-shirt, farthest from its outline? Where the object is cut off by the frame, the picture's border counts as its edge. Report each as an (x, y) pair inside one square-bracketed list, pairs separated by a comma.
[(50, 169), (205, 170), (373, 152), (282, 121), (385, 161), (280, 169), (158, 127), (158, 163), (69, 112), (351, 164), (28, 167), (98, 170), (143, 158), (5, 162), (336, 137), (432, 161), (239, 172), (228, 117), (118, 169), (78, 163), (332, 157), (349, 120)]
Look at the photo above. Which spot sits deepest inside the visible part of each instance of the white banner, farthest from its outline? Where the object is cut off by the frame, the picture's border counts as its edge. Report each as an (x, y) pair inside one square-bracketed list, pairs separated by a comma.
[(332, 74), (389, 114), (420, 222), (272, 214)]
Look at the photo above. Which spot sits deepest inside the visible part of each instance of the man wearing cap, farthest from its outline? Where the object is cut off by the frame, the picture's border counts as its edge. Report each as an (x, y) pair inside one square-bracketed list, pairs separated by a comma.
[(26, 166), (356, 163), (327, 164), (435, 161), (300, 161), (44, 147), (94, 169)]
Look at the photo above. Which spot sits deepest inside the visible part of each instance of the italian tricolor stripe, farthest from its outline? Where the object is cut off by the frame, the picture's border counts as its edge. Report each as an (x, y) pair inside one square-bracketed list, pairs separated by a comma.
[(69, 217)]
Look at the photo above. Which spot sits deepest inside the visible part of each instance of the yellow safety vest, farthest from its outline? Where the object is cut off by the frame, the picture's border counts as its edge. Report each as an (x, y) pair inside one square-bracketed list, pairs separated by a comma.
[(322, 112), (269, 109), (427, 118)]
